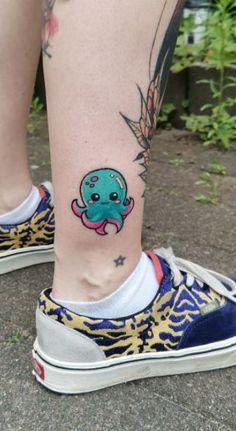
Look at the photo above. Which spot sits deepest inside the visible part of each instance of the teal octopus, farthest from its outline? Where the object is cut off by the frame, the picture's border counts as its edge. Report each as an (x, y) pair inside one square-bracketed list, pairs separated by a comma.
[(104, 196)]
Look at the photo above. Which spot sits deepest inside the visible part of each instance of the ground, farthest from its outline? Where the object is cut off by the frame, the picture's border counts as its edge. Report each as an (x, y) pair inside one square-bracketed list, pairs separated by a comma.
[(202, 233)]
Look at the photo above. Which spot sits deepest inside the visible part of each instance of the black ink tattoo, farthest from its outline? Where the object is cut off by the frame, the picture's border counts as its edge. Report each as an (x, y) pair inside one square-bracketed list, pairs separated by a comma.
[(119, 261), (144, 129), (49, 26)]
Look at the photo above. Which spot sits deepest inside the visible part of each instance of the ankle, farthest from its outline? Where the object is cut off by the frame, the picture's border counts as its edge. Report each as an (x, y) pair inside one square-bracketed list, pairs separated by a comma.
[(128, 299), (90, 284), (12, 197)]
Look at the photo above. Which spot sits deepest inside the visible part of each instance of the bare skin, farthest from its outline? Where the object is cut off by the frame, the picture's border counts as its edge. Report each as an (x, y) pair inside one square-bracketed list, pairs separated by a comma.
[(98, 51), (101, 125), (20, 48)]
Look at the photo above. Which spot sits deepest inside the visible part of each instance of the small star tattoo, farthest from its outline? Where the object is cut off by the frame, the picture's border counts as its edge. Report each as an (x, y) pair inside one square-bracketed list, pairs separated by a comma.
[(119, 261)]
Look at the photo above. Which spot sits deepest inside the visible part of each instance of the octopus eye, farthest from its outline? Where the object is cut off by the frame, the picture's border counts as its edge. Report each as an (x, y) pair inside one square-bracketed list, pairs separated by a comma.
[(95, 197), (113, 196)]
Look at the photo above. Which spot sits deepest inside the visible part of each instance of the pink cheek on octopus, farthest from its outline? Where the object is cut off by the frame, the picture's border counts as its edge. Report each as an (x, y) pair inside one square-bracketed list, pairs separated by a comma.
[(117, 202)]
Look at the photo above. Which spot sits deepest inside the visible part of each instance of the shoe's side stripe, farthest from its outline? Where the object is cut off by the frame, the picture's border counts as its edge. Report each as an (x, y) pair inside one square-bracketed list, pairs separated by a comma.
[(24, 250), (160, 357)]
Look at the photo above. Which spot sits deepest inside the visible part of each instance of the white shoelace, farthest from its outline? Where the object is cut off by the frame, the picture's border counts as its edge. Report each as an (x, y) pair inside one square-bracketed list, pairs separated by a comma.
[(197, 273)]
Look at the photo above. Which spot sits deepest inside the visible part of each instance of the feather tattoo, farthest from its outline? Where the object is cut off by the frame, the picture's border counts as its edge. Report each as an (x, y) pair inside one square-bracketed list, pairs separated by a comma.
[(49, 26), (144, 129)]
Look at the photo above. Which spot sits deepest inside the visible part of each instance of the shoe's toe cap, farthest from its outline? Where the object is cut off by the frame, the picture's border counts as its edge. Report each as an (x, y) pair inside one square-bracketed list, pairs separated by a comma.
[(212, 327)]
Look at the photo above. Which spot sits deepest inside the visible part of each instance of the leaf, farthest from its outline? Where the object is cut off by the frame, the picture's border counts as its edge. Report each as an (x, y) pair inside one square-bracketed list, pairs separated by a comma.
[(207, 106), (203, 199), (217, 168)]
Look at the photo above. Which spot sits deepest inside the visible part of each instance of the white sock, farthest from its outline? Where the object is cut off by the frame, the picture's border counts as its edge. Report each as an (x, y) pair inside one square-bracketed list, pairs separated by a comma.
[(24, 211), (133, 295)]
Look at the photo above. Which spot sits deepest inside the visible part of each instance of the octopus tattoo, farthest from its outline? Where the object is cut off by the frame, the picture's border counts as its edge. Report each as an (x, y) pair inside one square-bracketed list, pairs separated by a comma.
[(104, 196)]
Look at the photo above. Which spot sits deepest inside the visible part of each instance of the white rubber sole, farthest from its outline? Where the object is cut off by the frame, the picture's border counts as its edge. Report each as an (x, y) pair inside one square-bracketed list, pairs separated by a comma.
[(76, 378), (28, 256)]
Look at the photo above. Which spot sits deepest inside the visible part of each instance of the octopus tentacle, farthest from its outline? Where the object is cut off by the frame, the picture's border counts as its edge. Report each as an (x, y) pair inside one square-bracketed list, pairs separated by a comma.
[(129, 208), (77, 210), (91, 224), (117, 223), (101, 230)]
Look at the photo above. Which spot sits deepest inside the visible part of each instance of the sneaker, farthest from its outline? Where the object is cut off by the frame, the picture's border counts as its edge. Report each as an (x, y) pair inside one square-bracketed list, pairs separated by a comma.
[(31, 242), (190, 326)]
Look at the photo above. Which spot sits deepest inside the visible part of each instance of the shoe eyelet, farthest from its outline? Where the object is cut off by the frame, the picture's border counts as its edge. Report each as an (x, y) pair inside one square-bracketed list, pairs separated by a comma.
[(173, 285)]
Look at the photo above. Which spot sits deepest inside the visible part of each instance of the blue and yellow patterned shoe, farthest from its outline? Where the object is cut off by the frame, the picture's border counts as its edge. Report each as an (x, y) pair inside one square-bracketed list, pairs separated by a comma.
[(31, 242), (189, 326)]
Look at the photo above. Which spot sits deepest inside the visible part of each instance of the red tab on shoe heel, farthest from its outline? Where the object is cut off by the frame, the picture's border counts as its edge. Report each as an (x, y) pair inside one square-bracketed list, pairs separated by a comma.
[(38, 368), (42, 192), (156, 264)]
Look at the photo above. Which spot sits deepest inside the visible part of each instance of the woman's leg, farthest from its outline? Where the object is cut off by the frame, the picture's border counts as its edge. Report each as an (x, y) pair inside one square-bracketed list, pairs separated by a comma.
[(101, 125), (26, 213), (19, 47)]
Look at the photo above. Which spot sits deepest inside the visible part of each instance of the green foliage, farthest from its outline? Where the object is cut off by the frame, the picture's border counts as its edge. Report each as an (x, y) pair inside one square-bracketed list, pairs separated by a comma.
[(217, 168), (35, 116), (221, 35), (178, 163), (216, 126), (216, 129), (204, 199), (18, 337), (212, 197), (163, 120), (187, 54)]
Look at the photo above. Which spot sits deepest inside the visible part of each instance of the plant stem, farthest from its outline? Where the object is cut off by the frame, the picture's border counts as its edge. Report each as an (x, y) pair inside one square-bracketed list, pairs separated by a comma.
[(222, 67)]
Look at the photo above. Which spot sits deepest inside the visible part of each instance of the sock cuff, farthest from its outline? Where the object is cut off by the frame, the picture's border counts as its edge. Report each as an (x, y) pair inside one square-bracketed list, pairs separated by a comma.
[(135, 273), (24, 211), (132, 296)]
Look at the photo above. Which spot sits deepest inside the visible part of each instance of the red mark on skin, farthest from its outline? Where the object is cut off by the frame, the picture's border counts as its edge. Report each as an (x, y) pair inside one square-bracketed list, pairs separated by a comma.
[(50, 27)]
